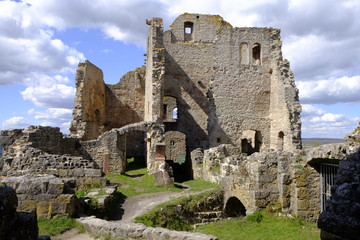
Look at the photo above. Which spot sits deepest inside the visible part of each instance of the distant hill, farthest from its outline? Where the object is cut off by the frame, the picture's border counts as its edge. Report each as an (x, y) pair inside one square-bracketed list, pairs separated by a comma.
[(314, 142)]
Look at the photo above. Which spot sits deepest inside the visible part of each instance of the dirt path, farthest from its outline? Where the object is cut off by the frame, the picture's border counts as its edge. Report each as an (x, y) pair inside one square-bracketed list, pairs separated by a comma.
[(138, 205), (130, 209), (73, 234)]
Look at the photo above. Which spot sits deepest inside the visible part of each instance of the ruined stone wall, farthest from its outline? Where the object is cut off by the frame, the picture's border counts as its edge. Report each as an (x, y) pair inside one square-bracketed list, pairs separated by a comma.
[(285, 132), (108, 151), (43, 150), (125, 100), (154, 93), (175, 146), (241, 90), (341, 218), (189, 70), (281, 180), (45, 195), (89, 111), (125, 105), (229, 80)]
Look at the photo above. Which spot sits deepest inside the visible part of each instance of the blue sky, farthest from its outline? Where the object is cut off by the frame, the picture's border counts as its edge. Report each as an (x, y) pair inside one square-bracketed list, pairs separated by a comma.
[(42, 41)]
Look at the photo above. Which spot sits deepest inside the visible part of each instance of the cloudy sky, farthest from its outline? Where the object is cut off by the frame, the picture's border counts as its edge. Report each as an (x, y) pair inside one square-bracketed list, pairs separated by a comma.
[(42, 41)]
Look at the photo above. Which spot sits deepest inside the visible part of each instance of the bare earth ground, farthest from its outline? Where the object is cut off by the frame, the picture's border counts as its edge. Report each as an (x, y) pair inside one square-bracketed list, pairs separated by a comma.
[(73, 235), (131, 208)]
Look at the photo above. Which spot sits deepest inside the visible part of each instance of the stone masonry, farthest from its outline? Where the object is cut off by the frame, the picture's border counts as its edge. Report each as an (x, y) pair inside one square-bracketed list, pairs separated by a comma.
[(210, 82)]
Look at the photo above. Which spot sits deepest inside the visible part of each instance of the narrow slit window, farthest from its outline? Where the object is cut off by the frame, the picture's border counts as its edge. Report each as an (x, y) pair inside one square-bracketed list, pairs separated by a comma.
[(256, 52)]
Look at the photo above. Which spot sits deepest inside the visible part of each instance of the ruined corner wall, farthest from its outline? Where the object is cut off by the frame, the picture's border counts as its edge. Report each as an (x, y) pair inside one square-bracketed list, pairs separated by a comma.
[(155, 71), (285, 108), (89, 111), (125, 100)]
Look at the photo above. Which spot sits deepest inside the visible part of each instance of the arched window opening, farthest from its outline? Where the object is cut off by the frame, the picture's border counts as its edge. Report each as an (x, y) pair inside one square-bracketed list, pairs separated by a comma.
[(234, 208), (256, 53), (244, 53), (170, 110), (175, 113), (280, 141), (188, 31)]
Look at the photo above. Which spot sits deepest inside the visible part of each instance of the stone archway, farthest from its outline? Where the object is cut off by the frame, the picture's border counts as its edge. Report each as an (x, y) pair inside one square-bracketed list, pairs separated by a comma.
[(234, 208)]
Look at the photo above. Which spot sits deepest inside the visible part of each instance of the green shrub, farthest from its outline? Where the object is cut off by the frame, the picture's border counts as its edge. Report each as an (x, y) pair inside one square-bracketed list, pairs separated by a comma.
[(257, 216)]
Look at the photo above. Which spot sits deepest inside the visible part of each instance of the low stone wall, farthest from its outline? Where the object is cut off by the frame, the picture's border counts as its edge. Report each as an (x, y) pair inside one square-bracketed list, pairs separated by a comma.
[(47, 196), (134, 231)]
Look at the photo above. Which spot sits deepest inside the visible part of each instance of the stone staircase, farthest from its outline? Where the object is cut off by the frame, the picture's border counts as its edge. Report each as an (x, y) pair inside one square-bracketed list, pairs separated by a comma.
[(201, 218)]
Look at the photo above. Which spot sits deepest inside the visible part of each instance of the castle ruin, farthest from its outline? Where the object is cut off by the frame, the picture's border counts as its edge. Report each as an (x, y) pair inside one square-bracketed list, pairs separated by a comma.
[(213, 102), (205, 83)]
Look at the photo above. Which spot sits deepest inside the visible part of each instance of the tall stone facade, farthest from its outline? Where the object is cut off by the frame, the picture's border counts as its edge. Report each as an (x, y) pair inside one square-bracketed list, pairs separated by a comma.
[(211, 82)]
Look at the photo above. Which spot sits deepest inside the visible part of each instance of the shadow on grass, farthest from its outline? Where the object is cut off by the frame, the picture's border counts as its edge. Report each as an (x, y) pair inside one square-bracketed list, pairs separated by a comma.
[(133, 175), (179, 186), (134, 163)]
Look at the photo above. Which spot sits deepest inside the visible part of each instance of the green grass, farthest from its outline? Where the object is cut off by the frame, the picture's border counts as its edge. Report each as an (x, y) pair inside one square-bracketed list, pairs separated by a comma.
[(200, 185), (268, 228), (171, 214), (137, 181), (51, 227)]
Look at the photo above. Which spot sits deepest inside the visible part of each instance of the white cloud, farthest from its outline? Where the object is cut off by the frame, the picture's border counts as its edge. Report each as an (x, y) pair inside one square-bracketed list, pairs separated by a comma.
[(340, 90), (328, 117), (27, 45), (55, 117), (318, 123), (46, 91), (15, 122)]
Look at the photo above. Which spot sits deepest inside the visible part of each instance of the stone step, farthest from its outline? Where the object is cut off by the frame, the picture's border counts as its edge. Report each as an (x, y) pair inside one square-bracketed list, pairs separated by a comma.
[(208, 214)]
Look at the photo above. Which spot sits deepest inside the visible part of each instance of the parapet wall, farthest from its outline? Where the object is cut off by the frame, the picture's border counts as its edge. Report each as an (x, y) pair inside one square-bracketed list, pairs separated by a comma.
[(133, 231)]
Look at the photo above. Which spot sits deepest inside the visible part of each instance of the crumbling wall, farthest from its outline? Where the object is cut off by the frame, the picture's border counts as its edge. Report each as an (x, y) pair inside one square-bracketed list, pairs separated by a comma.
[(25, 152), (108, 151), (89, 110), (125, 100), (154, 93), (230, 80), (281, 180)]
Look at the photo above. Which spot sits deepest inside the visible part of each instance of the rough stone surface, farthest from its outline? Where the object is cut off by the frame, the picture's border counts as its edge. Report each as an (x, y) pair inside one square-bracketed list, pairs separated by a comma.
[(288, 180), (132, 231), (44, 195), (15, 225), (43, 150), (341, 218)]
